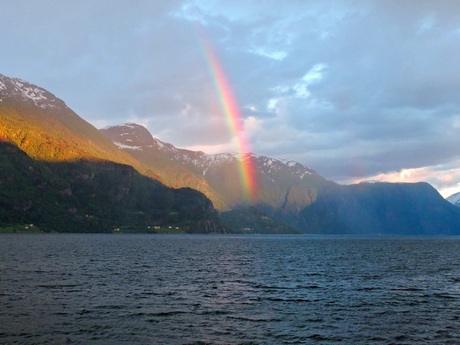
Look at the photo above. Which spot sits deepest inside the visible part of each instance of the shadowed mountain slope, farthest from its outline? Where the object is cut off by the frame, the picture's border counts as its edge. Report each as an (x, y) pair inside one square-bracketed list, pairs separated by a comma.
[(59, 172), (382, 208), (285, 186), (295, 194)]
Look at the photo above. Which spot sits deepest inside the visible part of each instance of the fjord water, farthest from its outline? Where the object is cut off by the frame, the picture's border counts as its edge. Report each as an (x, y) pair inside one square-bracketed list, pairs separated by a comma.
[(180, 289)]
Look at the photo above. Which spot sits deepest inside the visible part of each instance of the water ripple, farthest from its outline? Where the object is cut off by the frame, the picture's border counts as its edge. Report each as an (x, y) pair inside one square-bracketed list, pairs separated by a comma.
[(140, 289)]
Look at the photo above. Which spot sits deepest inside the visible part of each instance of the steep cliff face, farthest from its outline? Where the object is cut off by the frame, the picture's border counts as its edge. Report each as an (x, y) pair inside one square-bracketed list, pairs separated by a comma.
[(382, 208)]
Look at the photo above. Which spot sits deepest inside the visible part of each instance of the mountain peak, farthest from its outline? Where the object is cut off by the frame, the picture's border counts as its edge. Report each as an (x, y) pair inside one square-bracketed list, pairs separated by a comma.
[(280, 183), (454, 199), (129, 136), (18, 89)]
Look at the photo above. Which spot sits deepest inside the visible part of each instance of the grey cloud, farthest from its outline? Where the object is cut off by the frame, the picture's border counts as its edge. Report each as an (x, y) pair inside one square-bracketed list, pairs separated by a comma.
[(387, 98)]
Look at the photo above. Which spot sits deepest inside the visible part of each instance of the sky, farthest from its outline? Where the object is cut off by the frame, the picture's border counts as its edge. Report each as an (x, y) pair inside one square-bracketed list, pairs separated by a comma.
[(356, 90)]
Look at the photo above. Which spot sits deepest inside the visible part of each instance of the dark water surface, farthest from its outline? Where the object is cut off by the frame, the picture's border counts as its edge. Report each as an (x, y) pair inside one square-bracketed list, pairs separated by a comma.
[(159, 289)]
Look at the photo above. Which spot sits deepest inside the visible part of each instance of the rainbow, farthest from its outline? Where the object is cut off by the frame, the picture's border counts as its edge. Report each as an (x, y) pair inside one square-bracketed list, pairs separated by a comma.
[(233, 119)]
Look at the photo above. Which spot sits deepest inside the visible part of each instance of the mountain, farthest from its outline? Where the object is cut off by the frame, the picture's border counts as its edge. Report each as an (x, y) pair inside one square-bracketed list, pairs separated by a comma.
[(295, 194), (382, 208), (454, 199), (137, 141), (43, 126), (283, 187), (59, 173)]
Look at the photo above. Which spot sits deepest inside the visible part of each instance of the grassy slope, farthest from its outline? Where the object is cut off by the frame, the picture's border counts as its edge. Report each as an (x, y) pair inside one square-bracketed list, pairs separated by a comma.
[(54, 135), (47, 157)]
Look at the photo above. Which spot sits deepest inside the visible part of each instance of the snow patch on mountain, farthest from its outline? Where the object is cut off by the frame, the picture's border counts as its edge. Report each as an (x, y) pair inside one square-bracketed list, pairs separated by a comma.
[(267, 166), (131, 136), (11, 88), (128, 147), (130, 125)]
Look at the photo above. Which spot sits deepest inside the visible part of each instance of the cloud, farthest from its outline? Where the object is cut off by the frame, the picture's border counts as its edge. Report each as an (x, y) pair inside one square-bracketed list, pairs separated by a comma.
[(353, 89), (445, 178)]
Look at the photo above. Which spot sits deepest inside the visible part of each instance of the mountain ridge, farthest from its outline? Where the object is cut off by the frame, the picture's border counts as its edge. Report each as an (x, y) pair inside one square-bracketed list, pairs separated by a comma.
[(281, 184), (15, 87), (201, 160), (132, 144), (55, 164), (28, 109), (297, 195), (454, 199), (383, 209)]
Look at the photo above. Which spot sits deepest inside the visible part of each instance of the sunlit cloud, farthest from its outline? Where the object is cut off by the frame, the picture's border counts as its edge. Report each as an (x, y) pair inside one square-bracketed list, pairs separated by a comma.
[(353, 89), (446, 180)]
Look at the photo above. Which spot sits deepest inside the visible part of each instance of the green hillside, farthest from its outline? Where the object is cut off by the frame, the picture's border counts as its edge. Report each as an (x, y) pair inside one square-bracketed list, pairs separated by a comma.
[(88, 196), (176, 175), (58, 135), (60, 174)]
